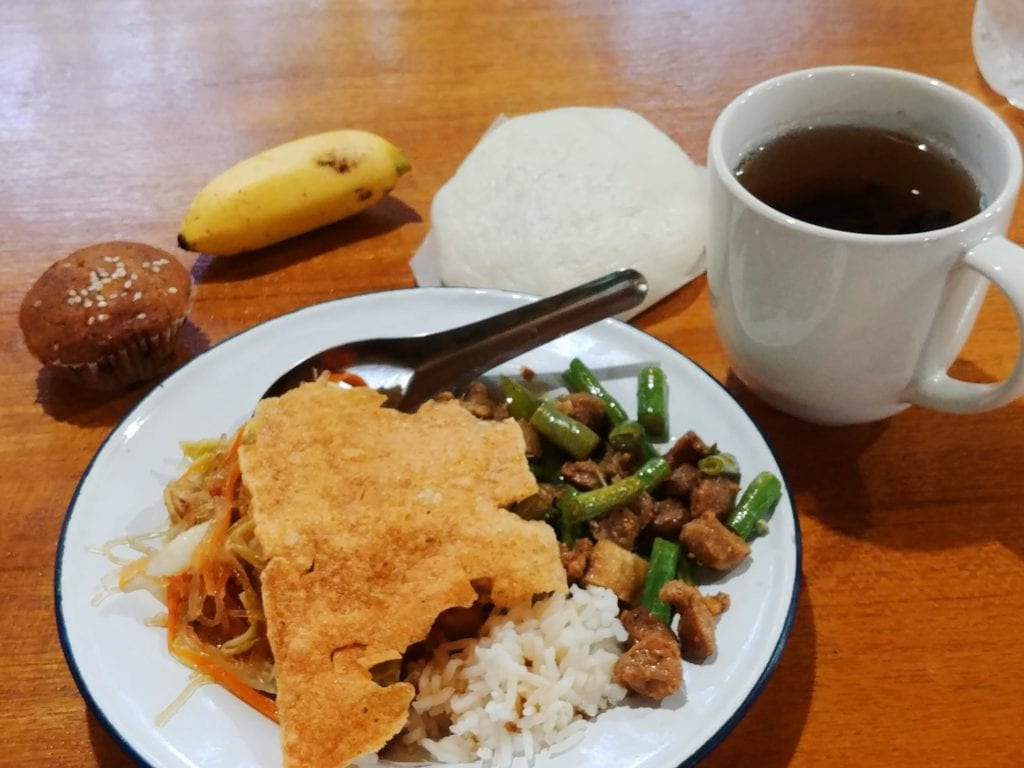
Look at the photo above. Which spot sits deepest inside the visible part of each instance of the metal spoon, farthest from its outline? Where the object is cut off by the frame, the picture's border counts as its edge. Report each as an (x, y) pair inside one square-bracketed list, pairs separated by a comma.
[(411, 370)]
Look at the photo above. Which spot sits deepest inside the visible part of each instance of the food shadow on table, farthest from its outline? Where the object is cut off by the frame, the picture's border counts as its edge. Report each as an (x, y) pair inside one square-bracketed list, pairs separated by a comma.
[(669, 311), (72, 404), (106, 750), (768, 734), (893, 480), (387, 215)]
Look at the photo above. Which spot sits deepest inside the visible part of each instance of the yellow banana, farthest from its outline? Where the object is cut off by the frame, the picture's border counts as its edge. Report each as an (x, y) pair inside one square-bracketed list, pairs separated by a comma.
[(290, 189)]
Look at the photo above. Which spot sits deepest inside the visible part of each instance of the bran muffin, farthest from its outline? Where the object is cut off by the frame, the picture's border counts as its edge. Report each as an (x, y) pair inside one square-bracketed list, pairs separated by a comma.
[(108, 315)]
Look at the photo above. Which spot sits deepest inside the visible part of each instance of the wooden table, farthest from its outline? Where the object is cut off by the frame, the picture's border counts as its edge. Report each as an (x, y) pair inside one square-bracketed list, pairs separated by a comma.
[(906, 646)]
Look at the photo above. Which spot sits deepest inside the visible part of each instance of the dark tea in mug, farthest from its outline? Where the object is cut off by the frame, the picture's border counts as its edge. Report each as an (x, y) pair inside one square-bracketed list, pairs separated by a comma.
[(861, 179)]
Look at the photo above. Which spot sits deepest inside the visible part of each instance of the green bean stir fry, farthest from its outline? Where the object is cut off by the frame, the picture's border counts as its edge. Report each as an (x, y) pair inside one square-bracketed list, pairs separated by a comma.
[(604, 477)]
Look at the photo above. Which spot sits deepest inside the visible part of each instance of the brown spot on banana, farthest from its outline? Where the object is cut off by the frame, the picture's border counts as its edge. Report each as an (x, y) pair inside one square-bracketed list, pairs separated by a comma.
[(363, 193), (331, 160)]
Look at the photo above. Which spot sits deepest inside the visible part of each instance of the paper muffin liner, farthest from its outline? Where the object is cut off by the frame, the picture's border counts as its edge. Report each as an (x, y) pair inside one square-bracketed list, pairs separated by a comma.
[(142, 357)]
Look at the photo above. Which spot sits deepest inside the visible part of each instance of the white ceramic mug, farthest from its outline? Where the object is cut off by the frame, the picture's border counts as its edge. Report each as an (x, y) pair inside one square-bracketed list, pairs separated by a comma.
[(838, 327)]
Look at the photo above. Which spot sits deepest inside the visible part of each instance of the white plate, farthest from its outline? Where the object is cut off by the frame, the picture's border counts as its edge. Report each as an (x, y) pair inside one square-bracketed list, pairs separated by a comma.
[(122, 666)]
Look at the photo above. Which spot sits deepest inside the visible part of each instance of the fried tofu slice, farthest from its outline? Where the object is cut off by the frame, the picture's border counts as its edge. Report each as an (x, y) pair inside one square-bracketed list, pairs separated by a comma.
[(373, 522), (617, 569)]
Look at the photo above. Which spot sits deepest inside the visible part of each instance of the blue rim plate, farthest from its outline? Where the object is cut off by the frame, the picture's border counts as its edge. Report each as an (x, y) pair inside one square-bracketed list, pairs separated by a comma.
[(124, 671)]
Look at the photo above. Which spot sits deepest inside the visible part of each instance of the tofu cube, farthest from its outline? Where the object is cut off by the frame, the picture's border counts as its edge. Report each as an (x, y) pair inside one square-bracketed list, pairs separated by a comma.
[(618, 569)]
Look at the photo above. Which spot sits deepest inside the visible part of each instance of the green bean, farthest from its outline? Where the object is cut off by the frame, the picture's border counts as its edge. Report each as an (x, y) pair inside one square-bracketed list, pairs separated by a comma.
[(652, 402), (521, 401), (631, 436), (756, 504), (653, 473), (547, 467), (568, 531), (579, 378), (662, 567), (592, 504), (719, 464), (573, 437), (685, 571)]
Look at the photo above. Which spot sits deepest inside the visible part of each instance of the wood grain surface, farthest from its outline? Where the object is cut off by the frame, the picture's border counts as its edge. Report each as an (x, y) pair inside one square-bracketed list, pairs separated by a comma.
[(906, 647)]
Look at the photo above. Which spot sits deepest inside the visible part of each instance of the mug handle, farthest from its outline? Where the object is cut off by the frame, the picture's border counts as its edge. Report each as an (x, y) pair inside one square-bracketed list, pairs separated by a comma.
[(1002, 263)]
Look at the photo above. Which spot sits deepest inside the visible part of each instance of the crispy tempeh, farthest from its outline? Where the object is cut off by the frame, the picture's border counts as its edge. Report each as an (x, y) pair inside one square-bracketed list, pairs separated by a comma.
[(374, 522)]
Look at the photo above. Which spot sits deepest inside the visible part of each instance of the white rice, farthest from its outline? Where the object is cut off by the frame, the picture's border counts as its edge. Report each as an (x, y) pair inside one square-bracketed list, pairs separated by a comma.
[(524, 685), (549, 199)]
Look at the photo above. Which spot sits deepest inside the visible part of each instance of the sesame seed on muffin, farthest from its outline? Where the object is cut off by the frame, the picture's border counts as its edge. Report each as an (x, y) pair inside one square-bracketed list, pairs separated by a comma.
[(107, 316)]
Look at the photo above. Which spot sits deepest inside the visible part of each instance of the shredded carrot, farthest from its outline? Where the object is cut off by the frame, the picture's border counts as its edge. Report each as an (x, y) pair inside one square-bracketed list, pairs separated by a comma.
[(345, 377), (177, 588), (201, 603), (213, 542), (224, 677), (234, 471)]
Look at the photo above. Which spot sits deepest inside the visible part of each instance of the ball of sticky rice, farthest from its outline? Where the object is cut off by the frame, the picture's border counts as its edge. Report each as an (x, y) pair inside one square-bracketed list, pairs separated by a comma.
[(548, 200)]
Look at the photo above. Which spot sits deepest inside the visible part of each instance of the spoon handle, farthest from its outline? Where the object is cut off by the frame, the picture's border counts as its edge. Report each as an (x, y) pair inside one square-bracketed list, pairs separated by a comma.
[(459, 355)]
